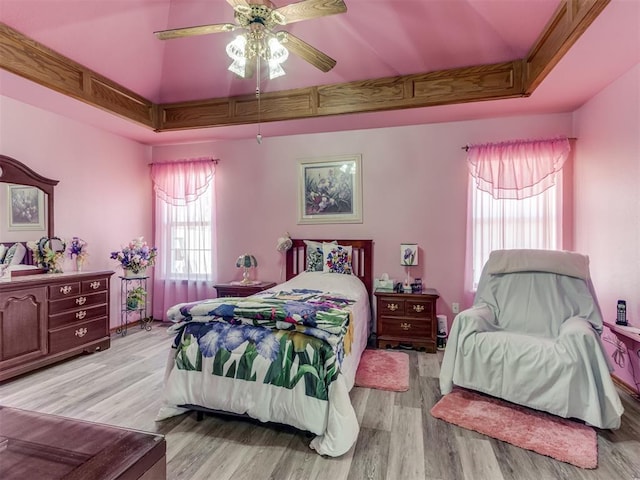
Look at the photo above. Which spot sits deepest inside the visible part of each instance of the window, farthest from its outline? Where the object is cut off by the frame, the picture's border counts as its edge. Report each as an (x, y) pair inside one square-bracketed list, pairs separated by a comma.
[(189, 231), (515, 199), (185, 213), (501, 223)]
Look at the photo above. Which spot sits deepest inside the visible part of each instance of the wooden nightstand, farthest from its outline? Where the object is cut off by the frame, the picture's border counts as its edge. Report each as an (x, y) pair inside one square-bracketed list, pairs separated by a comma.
[(237, 290), (407, 319)]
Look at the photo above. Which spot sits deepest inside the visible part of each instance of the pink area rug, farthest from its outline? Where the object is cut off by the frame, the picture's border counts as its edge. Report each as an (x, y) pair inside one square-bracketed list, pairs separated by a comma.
[(543, 433), (383, 370)]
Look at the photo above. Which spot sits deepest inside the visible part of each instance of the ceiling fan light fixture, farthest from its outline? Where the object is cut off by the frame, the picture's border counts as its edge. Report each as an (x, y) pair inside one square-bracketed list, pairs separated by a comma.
[(275, 70), (277, 55), (238, 67), (236, 48)]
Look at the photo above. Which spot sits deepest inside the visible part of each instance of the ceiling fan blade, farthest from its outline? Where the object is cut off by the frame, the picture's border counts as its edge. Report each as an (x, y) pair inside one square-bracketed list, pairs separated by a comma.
[(235, 3), (305, 51), (191, 31), (308, 9)]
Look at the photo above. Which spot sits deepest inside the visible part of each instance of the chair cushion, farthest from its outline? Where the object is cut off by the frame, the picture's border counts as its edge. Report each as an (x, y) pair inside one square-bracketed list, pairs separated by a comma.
[(550, 261)]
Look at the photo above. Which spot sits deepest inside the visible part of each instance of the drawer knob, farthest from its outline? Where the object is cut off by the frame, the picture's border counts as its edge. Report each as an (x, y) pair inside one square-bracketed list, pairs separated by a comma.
[(81, 300), (66, 289), (81, 314), (95, 285), (81, 332), (392, 306), (418, 308), (405, 326)]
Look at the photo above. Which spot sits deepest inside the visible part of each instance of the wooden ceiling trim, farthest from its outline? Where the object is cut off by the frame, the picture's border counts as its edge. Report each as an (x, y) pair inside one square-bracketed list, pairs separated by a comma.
[(32, 60), (29, 59), (570, 20)]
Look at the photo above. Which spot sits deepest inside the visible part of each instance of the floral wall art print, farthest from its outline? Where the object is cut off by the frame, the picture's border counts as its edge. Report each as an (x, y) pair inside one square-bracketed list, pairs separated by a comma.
[(330, 190)]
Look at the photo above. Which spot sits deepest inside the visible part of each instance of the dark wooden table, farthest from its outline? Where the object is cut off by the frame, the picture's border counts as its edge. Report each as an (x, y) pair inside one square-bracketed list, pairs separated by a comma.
[(47, 447)]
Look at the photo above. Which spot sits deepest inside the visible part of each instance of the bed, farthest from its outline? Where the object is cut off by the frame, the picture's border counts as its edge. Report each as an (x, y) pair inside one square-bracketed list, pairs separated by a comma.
[(287, 355)]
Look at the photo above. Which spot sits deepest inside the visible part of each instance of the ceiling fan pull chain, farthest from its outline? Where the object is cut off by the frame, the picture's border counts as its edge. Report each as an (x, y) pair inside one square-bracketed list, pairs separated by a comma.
[(259, 136)]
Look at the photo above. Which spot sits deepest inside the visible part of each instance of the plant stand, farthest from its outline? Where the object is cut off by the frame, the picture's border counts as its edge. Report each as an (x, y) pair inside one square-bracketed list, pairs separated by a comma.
[(139, 310)]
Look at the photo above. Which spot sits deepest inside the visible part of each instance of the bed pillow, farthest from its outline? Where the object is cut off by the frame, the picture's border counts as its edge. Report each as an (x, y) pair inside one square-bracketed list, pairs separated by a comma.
[(15, 254), (315, 256), (3, 251), (336, 258)]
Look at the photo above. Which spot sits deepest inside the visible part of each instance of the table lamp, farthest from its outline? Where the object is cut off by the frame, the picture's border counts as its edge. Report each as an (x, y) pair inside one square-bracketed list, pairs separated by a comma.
[(408, 259), (246, 261)]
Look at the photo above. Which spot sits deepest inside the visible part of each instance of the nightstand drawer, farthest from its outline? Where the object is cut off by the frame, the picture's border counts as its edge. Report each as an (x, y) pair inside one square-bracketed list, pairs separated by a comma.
[(419, 308), (405, 327), (391, 306), (76, 335)]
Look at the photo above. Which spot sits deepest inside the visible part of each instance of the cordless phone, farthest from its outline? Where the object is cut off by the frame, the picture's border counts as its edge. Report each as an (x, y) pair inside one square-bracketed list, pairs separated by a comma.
[(621, 319)]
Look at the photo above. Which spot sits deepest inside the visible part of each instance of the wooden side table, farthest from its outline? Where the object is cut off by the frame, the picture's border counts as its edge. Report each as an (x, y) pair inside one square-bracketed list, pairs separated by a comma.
[(407, 319), (238, 290)]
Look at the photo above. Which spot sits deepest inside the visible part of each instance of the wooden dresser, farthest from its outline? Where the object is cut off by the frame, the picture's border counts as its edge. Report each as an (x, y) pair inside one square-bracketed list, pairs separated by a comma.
[(46, 318), (407, 319)]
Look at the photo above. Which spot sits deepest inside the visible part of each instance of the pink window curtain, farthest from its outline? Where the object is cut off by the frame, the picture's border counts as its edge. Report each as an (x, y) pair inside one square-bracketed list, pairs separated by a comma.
[(184, 227), (515, 200), (517, 169)]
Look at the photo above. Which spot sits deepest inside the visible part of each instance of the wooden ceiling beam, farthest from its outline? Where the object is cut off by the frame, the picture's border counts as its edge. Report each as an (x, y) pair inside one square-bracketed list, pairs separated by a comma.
[(36, 62)]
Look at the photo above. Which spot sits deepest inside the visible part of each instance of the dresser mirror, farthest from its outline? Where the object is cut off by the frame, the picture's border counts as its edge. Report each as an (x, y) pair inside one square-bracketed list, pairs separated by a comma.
[(29, 214)]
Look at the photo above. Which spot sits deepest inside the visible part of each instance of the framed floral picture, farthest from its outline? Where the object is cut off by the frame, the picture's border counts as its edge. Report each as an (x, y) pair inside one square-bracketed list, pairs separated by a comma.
[(26, 208), (330, 190)]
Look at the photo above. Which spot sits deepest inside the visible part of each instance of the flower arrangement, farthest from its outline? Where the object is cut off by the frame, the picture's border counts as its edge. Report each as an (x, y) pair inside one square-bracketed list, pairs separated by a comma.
[(47, 253), (136, 256), (78, 251)]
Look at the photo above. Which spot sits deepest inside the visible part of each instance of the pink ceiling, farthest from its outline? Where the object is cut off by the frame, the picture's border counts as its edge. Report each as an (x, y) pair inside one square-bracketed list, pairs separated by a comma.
[(374, 38)]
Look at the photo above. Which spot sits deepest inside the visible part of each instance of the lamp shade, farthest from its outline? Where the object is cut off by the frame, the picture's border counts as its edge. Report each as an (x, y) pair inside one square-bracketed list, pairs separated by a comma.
[(409, 254), (247, 261)]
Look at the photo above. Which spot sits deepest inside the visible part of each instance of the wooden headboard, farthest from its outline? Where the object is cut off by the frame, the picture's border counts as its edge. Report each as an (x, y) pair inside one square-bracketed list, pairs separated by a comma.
[(362, 259)]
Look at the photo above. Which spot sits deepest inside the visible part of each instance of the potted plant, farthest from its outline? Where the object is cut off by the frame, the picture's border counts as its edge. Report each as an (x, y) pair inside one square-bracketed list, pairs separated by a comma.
[(136, 298)]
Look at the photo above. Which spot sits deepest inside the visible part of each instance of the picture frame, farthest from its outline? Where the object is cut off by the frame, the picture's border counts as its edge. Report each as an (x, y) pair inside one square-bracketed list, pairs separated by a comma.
[(25, 208), (330, 190)]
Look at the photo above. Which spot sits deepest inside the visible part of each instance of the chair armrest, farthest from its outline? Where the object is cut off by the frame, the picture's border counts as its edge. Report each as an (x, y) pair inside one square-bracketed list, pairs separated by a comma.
[(479, 318), (577, 326)]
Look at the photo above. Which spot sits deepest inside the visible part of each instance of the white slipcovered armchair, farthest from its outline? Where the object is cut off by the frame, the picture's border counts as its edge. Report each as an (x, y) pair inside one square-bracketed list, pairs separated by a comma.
[(532, 337)]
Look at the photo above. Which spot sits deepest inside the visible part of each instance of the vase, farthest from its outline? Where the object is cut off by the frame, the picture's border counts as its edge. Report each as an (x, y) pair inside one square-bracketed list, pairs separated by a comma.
[(133, 274), (79, 263)]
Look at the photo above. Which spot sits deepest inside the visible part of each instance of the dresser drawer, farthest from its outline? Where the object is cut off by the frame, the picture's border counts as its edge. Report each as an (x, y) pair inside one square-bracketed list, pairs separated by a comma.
[(391, 306), (78, 302), (95, 285), (75, 316), (77, 335), (406, 327), (63, 290)]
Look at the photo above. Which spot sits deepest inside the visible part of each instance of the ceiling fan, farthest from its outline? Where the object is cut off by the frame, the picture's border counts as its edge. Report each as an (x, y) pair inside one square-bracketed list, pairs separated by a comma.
[(259, 19)]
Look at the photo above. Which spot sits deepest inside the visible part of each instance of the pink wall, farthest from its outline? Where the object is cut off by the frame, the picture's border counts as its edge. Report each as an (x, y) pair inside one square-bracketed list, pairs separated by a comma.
[(607, 203), (104, 194), (414, 190)]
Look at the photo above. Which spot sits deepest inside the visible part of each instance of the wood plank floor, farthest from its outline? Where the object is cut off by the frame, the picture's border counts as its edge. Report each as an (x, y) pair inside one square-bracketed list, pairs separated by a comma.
[(399, 439)]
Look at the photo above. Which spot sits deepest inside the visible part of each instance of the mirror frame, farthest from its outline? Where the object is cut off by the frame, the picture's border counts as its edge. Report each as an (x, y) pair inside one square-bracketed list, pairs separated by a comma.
[(13, 171)]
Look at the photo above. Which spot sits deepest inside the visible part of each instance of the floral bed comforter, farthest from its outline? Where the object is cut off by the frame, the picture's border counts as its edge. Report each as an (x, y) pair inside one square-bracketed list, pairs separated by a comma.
[(277, 356)]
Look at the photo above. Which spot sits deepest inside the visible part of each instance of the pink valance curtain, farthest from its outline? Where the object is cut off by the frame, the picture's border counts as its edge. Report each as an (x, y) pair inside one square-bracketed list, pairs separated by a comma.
[(181, 182), (517, 169)]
